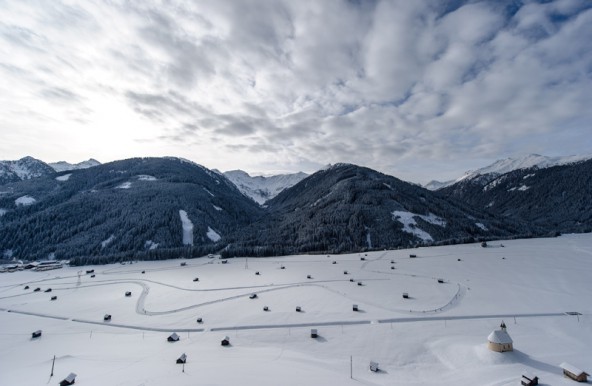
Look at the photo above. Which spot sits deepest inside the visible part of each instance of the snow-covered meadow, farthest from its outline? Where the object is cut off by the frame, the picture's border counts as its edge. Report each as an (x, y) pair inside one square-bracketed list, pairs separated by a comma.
[(437, 336)]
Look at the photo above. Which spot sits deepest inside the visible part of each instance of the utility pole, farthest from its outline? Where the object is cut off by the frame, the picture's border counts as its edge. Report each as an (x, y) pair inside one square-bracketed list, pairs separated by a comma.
[(52, 365), (351, 367)]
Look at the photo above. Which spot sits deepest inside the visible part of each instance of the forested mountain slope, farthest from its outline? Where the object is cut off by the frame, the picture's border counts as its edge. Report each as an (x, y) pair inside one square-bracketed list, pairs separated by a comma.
[(351, 208), (139, 208), (557, 198)]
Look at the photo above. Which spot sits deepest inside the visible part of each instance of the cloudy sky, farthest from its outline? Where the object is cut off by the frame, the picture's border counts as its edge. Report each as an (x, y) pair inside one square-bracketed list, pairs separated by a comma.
[(417, 89)]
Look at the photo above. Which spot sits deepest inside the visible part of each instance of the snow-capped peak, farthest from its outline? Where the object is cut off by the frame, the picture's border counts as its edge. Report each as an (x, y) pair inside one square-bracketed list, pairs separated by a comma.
[(63, 166), (261, 188), (506, 165)]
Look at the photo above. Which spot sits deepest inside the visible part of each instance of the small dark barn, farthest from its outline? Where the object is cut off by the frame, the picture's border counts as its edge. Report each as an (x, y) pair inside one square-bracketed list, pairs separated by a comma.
[(314, 333), (355, 307), (265, 308), (374, 366), (54, 298), (173, 337), (128, 293), (107, 317), (196, 279), (298, 309), (405, 295), (182, 358), (47, 290), (199, 320), (529, 380), (69, 380), (36, 334), (253, 296), (225, 341)]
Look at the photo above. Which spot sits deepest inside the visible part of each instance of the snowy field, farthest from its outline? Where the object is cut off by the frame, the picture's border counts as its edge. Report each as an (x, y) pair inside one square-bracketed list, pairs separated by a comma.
[(438, 336)]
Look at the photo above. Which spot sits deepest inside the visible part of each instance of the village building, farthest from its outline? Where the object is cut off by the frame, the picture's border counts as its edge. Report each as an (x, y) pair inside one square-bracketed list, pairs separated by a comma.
[(36, 334), (173, 337), (572, 372), (499, 340), (225, 341), (182, 358), (314, 333)]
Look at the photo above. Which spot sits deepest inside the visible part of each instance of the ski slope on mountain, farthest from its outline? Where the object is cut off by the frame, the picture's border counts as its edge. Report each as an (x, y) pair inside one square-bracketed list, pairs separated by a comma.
[(456, 296)]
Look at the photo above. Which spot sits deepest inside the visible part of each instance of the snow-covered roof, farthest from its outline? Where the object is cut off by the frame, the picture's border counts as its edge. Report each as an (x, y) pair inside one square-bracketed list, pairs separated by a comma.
[(572, 369), (499, 336), (70, 377)]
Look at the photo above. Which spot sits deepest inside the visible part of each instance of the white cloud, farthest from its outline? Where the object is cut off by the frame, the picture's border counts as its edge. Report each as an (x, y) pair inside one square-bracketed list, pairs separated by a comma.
[(412, 88)]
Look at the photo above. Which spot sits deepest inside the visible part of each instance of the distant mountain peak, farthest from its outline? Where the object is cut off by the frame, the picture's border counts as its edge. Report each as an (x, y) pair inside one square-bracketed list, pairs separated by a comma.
[(509, 164), (23, 169), (63, 166), (260, 188)]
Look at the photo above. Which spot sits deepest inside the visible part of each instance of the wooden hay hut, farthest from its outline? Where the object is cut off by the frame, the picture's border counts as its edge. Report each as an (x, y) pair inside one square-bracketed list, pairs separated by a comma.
[(196, 279), (257, 273), (352, 279), (405, 295), (314, 333), (47, 290), (199, 320), (441, 281), (362, 258), (182, 358), (37, 289), (143, 272), (253, 296), (499, 340), (360, 283), (69, 380), (393, 267), (355, 307), (334, 262), (90, 271), (345, 272), (308, 276), (224, 261), (107, 317), (36, 334), (282, 267), (572, 372), (298, 309), (173, 337), (93, 275), (529, 379), (374, 366), (265, 308), (183, 264), (412, 256), (128, 293), (225, 341), (26, 287), (54, 298)]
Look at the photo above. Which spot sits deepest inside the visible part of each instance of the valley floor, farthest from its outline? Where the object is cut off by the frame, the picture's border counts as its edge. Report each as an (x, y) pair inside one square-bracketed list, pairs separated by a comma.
[(438, 335)]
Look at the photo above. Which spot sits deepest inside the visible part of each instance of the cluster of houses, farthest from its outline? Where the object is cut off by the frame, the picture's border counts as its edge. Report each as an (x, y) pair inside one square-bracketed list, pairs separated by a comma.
[(34, 266)]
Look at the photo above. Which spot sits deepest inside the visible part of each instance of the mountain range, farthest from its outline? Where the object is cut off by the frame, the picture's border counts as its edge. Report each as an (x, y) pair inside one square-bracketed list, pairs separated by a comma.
[(157, 208)]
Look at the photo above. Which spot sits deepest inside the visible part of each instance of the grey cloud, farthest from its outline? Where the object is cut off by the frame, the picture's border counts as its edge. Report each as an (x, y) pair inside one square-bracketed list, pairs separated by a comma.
[(60, 94)]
